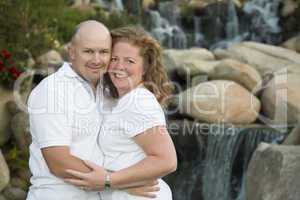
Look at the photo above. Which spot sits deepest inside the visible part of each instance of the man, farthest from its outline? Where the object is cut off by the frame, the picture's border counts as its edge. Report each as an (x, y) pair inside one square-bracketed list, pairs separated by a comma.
[(64, 117)]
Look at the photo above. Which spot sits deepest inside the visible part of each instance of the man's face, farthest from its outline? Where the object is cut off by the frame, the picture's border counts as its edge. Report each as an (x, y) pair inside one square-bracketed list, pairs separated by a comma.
[(90, 56)]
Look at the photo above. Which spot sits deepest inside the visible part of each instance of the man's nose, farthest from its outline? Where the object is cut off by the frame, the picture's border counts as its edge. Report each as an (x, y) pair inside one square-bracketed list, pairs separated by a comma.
[(97, 58)]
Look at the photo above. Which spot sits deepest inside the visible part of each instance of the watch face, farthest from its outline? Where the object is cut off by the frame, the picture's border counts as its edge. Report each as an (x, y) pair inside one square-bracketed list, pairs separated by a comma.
[(107, 180)]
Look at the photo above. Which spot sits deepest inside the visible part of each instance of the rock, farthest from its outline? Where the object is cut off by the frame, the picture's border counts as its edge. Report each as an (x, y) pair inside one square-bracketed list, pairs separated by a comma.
[(81, 2), (12, 107), (294, 136), (148, 4), (2, 197), (191, 68), (20, 129), (275, 51), (273, 173), (261, 61), (14, 193), (293, 44), (288, 8), (280, 99), (189, 54), (19, 183), (4, 173), (6, 96), (199, 79), (49, 60), (222, 54), (186, 62), (219, 101), (236, 71)]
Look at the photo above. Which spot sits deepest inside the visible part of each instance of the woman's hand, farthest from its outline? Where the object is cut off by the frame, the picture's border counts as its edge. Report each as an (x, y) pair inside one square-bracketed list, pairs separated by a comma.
[(93, 180), (148, 190)]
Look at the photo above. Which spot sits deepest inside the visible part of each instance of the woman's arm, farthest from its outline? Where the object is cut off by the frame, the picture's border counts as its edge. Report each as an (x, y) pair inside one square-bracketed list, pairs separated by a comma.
[(160, 160)]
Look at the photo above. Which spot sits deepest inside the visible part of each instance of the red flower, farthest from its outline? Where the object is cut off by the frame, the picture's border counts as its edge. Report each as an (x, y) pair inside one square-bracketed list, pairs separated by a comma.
[(15, 73), (5, 54), (1, 63), (1, 68)]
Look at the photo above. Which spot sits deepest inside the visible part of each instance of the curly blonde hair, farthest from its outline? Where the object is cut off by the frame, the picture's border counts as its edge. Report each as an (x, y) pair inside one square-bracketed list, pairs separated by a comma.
[(155, 77)]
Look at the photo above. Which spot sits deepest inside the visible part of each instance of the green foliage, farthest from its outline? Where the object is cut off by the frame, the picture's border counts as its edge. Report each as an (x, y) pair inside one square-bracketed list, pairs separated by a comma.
[(16, 159), (25, 25), (36, 26), (66, 23)]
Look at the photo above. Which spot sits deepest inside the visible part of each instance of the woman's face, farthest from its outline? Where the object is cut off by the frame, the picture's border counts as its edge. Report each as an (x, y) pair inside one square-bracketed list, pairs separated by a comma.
[(126, 67)]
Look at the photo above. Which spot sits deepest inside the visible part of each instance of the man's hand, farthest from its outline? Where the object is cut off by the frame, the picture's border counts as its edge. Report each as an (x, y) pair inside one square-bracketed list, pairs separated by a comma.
[(148, 190), (93, 180)]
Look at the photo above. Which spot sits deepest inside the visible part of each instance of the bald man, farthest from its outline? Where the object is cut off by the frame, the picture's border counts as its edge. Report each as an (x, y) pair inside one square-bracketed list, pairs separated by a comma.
[(64, 117)]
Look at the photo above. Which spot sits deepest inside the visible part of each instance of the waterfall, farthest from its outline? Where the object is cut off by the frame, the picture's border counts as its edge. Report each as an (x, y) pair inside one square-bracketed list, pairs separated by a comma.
[(219, 173), (222, 148), (228, 154), (232, 26), (170, 11), (198, 36), (119, 5), (116, 5), (264, 26), (171, 36)]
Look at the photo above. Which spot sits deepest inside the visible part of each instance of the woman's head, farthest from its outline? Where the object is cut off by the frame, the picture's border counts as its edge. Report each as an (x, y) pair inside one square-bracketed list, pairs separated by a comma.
[(137, 58)]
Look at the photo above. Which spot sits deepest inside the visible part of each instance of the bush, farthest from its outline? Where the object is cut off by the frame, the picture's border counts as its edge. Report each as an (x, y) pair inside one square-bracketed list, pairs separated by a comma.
[(25, 25)]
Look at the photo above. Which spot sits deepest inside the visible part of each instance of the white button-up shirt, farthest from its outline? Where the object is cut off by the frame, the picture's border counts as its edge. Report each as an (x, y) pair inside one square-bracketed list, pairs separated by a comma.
[(63, 111)]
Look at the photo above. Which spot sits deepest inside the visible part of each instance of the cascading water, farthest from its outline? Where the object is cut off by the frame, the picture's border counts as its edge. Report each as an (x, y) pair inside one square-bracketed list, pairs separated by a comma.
[(198, 36), (221, 173), (264, 26), (171, 36), (232, 25)]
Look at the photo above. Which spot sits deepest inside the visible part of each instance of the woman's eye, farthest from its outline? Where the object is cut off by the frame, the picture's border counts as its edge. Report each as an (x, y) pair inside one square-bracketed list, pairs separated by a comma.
[(131, 61), (113, 59)]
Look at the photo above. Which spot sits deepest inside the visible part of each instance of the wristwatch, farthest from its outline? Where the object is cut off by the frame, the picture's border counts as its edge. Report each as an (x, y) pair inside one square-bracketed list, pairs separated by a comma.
[(107, 180)]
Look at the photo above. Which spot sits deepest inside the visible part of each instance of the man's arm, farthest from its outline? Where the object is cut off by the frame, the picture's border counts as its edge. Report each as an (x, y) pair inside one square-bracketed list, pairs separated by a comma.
[(59, 159)]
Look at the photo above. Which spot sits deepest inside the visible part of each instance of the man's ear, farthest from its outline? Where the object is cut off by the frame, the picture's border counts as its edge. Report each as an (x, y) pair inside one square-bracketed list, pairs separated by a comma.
[(71, 51)]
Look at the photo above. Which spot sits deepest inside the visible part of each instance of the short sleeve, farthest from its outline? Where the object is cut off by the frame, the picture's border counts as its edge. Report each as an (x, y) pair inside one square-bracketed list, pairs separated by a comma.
[(145, 112), (48, 116)]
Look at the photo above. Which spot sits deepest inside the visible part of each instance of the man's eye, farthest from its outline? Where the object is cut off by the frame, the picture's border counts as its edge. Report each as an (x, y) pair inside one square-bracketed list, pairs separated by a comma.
[(88, 51), (104, 52)]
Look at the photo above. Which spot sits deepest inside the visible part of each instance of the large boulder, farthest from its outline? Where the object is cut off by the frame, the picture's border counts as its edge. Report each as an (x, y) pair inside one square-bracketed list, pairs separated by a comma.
[(294, 136), (219, 101), (241, 73), (20, 129), (189, 69), (4, 172), (262, 58), (288, 7), (6, 96), (275, 51), (273, 173), (14, 193), (293, 44), (51, 59), (280, 99)]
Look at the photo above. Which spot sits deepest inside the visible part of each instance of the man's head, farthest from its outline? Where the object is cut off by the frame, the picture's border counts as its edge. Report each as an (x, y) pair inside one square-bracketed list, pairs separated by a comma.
[(90, 50)]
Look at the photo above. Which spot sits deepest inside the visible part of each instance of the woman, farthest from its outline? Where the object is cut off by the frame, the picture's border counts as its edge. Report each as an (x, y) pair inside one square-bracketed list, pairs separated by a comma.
[(133, 139)]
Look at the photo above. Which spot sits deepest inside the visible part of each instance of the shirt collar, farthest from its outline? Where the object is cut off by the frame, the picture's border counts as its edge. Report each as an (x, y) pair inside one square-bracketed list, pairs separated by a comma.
[(68, 71)]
